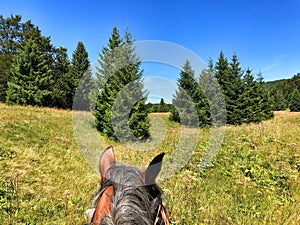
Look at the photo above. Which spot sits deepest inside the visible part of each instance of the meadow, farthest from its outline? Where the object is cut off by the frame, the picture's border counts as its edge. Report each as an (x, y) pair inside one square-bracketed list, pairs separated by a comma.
[(254, 179)]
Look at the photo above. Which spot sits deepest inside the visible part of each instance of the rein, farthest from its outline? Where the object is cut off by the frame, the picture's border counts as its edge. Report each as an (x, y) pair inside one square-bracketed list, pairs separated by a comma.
[(103, 210)]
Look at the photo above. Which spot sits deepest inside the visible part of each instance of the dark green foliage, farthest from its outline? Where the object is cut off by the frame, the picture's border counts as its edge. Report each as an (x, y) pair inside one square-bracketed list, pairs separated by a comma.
[(5, 62), (266, 103), (120, 108), (41, 67), (80, 76), (159, 107), (229, 77), (213, 93), (280, 102), (107, 61), (191, 105), (295, 101), (110, 59), (129, 114), (281, 91), (251, 99), (12, 35), (32, 80), (61, 79), (247, 100), (162, 105)]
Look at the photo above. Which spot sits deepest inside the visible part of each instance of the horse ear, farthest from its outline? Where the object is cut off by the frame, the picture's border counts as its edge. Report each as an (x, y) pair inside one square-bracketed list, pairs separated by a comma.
[(153, 169), (107, 160)]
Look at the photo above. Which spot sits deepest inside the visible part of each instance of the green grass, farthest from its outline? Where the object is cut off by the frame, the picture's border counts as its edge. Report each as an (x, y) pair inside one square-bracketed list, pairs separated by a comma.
[(255, 178)]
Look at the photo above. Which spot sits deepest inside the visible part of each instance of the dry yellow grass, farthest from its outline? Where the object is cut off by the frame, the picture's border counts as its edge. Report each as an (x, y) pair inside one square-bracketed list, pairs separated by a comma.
[(254, 178)]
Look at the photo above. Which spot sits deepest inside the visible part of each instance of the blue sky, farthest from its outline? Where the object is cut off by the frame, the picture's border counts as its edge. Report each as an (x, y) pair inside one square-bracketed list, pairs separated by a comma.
[(264, 34)]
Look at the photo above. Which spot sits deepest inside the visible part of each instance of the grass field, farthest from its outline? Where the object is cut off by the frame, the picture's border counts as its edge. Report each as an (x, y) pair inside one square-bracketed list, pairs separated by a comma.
[(255, 178)]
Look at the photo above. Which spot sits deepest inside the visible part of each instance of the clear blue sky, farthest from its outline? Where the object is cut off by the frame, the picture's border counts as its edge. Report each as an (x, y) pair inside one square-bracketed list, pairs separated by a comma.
[(264, 34)]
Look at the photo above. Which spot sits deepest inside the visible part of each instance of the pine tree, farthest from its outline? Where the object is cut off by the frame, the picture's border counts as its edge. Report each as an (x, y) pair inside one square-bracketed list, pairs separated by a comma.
[(222, 73), (107, 67), (250, 99), (5, 62), (191, 105), (265, 106), (32, 77), (118, 110), (80, 79), (295, 101), (214, 95), (162, 106), (235, 101), (280, 102), (230, 79), (61, 81), (110, 58), (12, 35)]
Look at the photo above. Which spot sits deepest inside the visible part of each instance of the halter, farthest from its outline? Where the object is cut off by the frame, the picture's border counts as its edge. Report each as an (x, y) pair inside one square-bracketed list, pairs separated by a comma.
[(100, 213)]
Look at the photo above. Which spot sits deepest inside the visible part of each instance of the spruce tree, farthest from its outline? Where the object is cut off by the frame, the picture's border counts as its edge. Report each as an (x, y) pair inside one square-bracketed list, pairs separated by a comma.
[(214, 95), (222, 73), (250, 99), (191, 105), (265, 106), (107, 67), (5, 62), (80, 77), (229, 76), (295, 101), (110, 59), (280, 102), (12, 35), (61, 81), (121, 101), (32, 78), (162, 106), (234, 95)]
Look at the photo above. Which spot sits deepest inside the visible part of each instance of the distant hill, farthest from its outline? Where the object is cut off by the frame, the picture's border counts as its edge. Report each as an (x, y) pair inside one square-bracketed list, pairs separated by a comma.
[(272, 84), (293, 82), (281, 91)]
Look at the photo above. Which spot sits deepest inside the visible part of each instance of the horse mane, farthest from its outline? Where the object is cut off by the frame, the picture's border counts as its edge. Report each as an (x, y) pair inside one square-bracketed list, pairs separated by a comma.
[(132, 202)]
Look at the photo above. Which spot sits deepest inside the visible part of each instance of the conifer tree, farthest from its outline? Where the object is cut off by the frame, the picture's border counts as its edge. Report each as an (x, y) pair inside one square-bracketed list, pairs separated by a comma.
[(213, 93), (32, 78), (162, 106), (61, 80), (107, 67), (110, 59), (118, 110), (250, 99), (295, 101), (230, 78), (191, 105), (12, 35), (222, 73), (280, 102), (265, 106), (235, 101), (80, 77)]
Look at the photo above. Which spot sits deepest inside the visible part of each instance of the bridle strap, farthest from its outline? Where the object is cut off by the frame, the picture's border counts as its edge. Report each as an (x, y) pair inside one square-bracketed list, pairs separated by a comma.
[(161, 212), (103, 206)]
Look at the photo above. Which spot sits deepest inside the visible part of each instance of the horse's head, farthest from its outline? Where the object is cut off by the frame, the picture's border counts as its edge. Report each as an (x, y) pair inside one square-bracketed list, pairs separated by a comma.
[(127, 194)]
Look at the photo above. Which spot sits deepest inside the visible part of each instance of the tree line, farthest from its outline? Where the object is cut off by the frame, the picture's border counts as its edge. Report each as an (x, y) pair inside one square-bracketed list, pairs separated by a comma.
[(286, 93), (34, 72), (222, 93)]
